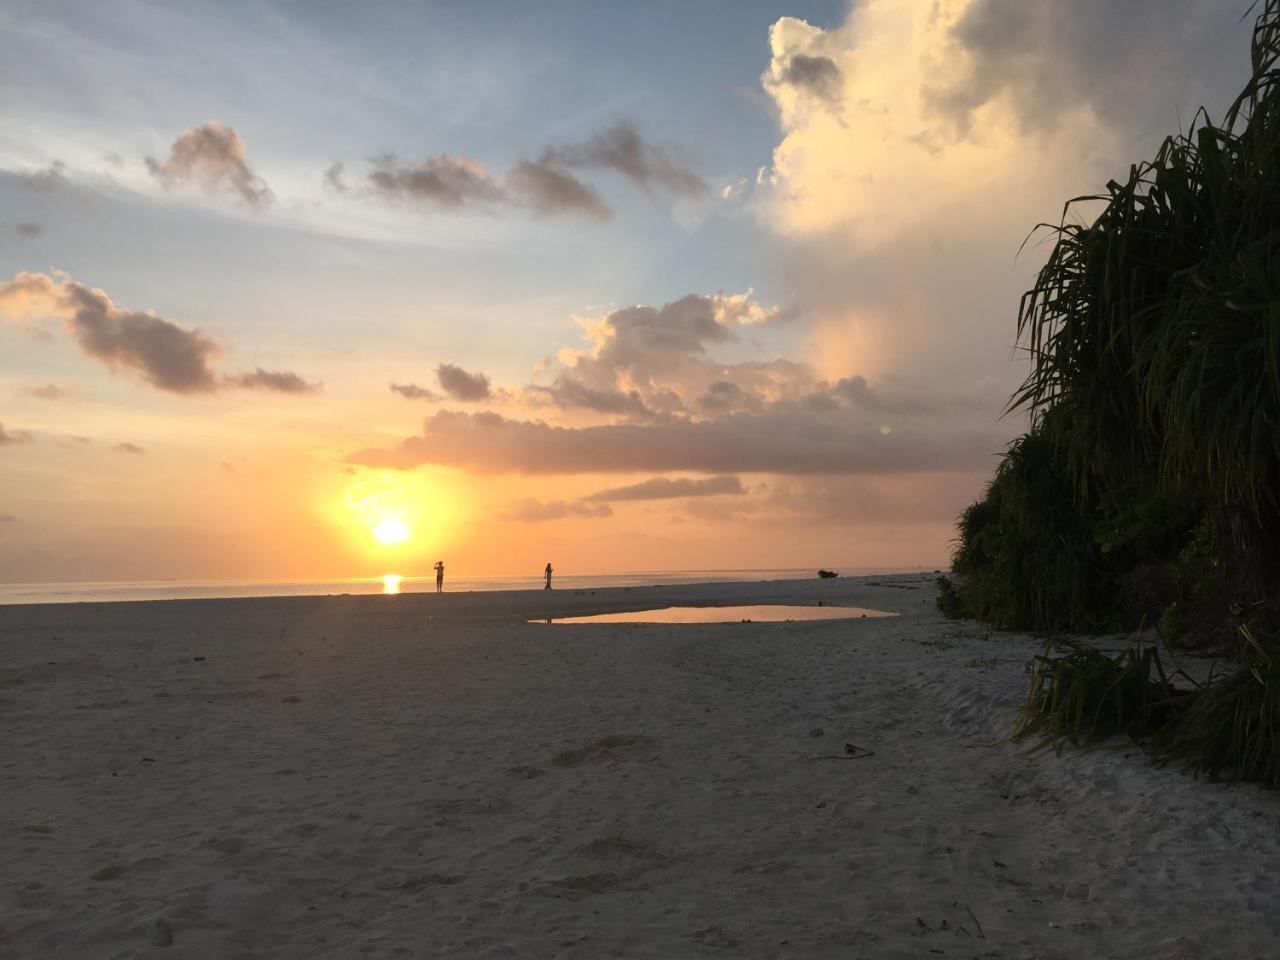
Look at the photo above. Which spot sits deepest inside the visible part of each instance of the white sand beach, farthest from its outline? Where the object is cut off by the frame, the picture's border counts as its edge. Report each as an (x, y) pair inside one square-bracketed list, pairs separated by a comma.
[(432, 776)]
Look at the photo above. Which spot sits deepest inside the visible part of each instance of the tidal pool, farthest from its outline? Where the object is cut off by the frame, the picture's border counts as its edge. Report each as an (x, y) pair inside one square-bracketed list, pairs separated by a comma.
[(761, 613)]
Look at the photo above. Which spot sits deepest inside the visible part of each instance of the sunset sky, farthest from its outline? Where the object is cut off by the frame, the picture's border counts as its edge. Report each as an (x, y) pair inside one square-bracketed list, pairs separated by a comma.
[(626, 287)]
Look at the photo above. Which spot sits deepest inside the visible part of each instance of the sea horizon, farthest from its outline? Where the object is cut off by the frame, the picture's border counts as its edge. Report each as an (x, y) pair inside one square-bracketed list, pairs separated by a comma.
[(119, 591)]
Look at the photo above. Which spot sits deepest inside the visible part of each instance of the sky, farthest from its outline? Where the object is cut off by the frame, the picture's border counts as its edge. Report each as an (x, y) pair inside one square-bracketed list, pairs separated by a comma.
[(297, 290)]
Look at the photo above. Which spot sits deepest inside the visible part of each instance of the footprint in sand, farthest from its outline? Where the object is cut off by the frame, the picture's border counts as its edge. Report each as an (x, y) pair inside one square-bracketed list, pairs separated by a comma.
[(468, 806), (715, 936), (227, 845), (616, 848), (617, 747), (583, 885), (526, 773), (415, 882), (109, 872)]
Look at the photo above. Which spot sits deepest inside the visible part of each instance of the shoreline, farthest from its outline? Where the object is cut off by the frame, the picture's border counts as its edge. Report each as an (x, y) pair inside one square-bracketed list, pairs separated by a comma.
[(30, 594), (432, 776)]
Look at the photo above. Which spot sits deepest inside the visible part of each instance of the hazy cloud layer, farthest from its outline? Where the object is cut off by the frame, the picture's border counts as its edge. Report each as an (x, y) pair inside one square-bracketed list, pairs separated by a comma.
[(621, 148), (536, 511), (461, 385), (443, 181), (786, 441), (335, 176), (163, 353), (14, 437), (648, 362), (129, 448), (545, 185), (666, 488), (669, 404), (1050, 59), (411, 391), (50, 391), (277, 381), (28, 231), (550, 189), (47, 178), (213, 157)]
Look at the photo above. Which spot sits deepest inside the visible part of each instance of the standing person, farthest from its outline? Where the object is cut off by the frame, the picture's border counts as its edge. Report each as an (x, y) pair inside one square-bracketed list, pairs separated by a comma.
[(439, 576), (548, 573)]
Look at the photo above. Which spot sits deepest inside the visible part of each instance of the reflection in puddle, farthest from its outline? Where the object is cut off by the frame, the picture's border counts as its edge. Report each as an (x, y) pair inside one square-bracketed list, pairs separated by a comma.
[(767, 613)]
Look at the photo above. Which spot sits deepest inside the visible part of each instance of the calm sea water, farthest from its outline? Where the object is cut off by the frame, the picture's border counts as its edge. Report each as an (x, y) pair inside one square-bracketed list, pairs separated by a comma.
[(390, 584)]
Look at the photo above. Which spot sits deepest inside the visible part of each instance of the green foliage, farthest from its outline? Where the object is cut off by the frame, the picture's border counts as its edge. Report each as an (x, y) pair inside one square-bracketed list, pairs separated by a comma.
[(1232, 725), (949, 600), (1149, 481), (1229, 726), (1157, 326), (1084, 696), (1026, 556)]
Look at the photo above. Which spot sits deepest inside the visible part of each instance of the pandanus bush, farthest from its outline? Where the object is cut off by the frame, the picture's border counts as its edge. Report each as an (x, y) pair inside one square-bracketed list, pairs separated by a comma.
[(1153, 332), (1148, 483)]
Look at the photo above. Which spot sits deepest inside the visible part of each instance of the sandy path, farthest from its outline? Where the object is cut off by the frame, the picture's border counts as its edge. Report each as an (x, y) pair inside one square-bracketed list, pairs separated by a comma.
[(433, 777)]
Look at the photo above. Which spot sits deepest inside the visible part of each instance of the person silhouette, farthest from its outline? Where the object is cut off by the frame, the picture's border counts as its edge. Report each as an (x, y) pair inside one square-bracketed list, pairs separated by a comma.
[(439, 576), (548, 573)]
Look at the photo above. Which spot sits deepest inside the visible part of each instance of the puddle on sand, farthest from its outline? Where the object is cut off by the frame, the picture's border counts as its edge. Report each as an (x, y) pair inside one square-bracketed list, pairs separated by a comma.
[(762, 613)]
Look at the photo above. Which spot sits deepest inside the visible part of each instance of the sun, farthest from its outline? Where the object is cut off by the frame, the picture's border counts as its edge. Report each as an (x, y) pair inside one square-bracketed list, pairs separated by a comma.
[(390, 531)]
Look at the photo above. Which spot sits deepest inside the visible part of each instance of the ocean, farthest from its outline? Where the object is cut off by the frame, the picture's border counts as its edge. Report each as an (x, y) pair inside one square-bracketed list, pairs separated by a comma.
[(11, 593)]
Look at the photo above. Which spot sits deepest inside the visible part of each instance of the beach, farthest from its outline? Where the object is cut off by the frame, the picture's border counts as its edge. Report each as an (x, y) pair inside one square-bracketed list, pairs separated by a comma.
[(436, 776)]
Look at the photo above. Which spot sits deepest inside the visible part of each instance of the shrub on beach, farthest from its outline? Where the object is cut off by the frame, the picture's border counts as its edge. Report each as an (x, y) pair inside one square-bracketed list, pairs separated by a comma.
[(1227, 727), (1148, 485), (1154, 387), (1084, 696)]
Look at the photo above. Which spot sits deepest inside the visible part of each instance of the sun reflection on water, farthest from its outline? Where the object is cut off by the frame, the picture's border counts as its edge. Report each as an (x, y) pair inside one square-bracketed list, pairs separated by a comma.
[(391, 583)]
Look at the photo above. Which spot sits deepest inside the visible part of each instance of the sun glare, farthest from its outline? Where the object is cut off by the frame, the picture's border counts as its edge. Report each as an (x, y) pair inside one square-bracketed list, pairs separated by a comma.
[(390, 531), (391, 583)]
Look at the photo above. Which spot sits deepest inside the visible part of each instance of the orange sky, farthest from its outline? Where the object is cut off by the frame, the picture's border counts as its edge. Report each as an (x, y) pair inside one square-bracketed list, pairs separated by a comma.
[(741, 296)]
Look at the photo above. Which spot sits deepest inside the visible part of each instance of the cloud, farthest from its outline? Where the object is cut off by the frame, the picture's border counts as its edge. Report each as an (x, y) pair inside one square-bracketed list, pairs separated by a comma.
[(622, 149), (334, 177), (645, 362), (164, 354), (445, 180), (568, 393), (550, 189), (962, 124), (278, 381), (1048, 60), (545, 184), (785, 440), (461, 385), (14, 437), (535, 511), (819, 76), (129, 448), (665, 488), (51, 391), (8, 518), (212, 156), (456, 182), (28, 231), (49, 178), (411, 391), (724, 396)]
